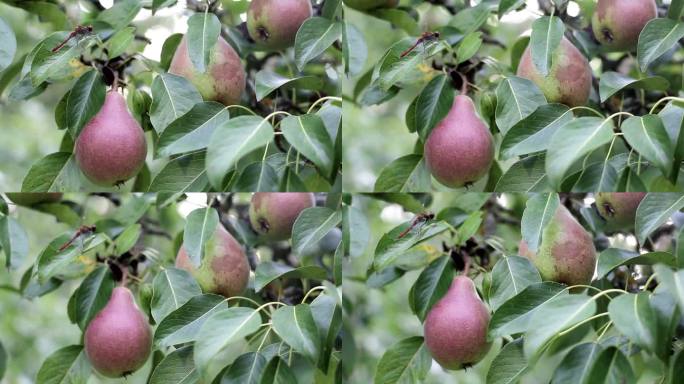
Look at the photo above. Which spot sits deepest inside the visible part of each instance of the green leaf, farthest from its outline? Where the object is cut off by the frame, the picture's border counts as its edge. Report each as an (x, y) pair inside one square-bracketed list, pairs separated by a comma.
[(221, 329), (509, 365), (611, 366), (85, 100), (533, 133), (405, 174), (399, 18), (296, 326), (307, 134), (55, 66), (612, 258), (172, 288), (182, 174), (247, 369), (267, 81), (654, 210), (269, 271), (121, 13), (192, 131), (233, 140), (516, 99), (56, 172), (539, 211), (311, 225), (657, 37), (433, 104), (54, 260), (391, 246), (469, 46), (506, 6), (117, 44), (177, 367), (3, 360), (575, 366), (673, 283), (545, 39), (92, 295), (407, 361), (9, 45), (514, 315), (613, 82), (14, 241), (527, 175), (510, 276), (127, 239), (203, 32), (354, 49), (200, 226), (314, 36), (277, 372), (647, 135), (261, 177), (431, 285), (172, 97), (553, 317), (574, 140), (67, 365), (169, 49), (183, 324)]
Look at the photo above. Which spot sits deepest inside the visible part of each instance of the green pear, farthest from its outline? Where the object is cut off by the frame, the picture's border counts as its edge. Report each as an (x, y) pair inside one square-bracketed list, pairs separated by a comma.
[(111, 148), (569, 78), (224, 78), (459, 151), (618, 23), (456, 326), (224, 269), (272, 215), (566, 253), (29, 199), (118, 340), (364, 5), (273, 24), (619, 208)]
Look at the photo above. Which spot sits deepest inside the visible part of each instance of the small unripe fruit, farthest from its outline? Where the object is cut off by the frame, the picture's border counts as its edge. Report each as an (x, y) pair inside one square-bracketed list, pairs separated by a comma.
[(28, 199), (456, 326), (618, 23), (569, 78), (273, 24), (224, 78), (118, 340), (224, 269), (111, 147), (619, 208), (460, 150), (566, 253), (272, 215)]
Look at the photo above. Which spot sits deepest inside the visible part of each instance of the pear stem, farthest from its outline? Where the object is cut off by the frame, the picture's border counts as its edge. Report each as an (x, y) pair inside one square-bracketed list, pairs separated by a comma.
[(124, 275), (115, 83), (464, 85), (466, 262)]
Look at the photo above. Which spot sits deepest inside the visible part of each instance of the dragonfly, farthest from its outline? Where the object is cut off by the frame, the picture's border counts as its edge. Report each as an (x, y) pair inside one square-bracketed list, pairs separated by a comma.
[(420, 218), (425, 38), (83, 230), (78, 32)]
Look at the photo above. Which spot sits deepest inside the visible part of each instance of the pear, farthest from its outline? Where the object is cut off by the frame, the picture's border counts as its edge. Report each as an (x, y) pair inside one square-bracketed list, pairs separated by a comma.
[(364, 5), (111, 147), (273, 24), (272, 215), (619, 208), (459, 150), (456, 326), (224, 269), (224, 78), (618, 23), (569, 78), (566, 253), (29, 199), (118, 340)]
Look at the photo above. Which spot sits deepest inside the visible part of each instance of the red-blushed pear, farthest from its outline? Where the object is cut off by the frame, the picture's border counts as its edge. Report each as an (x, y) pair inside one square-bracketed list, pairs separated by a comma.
[(566, 253), (619, 208), (28, 199), (460, 149), (272, 215), (224, 78), (111, 148), (224, 268), (618, 23), (118, 340), (364, 5), (569, 78), (456, 326), (273, 24)]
